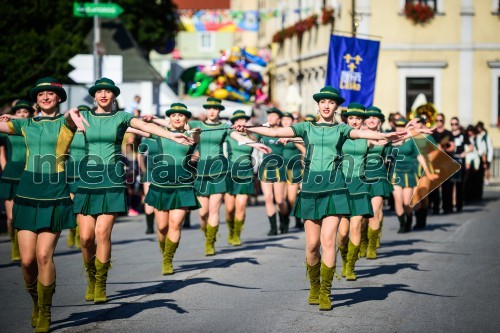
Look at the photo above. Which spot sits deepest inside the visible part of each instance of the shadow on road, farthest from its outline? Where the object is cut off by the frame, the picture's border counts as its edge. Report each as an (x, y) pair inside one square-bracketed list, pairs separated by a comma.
[(388, 270), (216, 263)]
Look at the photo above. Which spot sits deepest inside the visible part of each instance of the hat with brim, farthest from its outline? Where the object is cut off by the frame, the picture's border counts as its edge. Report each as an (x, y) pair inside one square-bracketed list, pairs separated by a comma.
[(374, 111), (213, 103), (83, 108), (355, 109), (310, 118), (275, 110), (329, 93), (401, 122), (286, 114), (239, 114), (22, 104), (48, 84), (178, 108), (104, 84)]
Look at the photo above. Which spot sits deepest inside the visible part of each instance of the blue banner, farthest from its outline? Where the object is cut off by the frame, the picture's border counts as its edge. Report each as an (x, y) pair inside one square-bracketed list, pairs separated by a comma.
[(352, 68)]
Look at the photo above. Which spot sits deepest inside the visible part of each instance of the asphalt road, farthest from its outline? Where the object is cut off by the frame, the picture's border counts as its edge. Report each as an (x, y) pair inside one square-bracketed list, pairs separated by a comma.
[(443, 279)]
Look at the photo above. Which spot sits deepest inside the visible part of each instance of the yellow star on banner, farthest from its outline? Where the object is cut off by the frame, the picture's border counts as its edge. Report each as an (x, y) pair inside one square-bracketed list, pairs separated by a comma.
[(351, 67), (347, 58), (358, 59)]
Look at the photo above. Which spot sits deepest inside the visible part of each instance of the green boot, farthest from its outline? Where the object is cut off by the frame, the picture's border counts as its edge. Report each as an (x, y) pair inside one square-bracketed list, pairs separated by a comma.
[(363, 246), (313, 273), (15, 254), (372, 243), (326, 273), (352, 257), (91, 271), (78, 245), (274, 228), (150, 222), (379, 234), (168, 257), (238, 227), (343, 255), (230, 235), (44, 303), (161, 246), (210, 240), (32, 289), (101, 277), (70, 241)]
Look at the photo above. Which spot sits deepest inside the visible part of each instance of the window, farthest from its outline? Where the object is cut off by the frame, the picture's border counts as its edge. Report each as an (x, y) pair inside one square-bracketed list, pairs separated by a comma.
[(206, 41), (430, 3), (416, 86)]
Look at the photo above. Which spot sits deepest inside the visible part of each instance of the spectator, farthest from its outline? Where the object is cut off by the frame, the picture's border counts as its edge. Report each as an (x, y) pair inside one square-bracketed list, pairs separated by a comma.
[(134, 105), (485, 148)]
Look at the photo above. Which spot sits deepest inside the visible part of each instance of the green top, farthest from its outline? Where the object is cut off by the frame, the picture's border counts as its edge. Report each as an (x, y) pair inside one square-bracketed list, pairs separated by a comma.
[(77, 147), (47, 140), (149, 147), (15, 149), (405, 156), (212, 161), (353, 159), (323, 156), (291, 152), (171, 164), (240, 158), (276, 147), (375, 161)]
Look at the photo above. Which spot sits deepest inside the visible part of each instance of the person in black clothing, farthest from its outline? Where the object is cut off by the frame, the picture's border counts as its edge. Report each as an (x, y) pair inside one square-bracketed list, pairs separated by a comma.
[(455, 184), (443, 138)]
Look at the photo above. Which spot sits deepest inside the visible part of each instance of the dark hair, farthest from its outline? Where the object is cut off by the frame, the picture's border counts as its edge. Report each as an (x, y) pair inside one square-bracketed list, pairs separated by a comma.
[(471, 129), (456, 118), (441, 115), (480, 125)]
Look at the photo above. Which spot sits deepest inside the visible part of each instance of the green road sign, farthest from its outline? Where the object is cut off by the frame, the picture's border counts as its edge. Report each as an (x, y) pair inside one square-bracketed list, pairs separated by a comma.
[(90, 9)]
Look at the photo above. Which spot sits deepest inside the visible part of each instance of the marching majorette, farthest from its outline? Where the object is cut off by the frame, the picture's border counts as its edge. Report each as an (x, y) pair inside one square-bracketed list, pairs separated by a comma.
[(324, 198), (212, 168), (353, 167), (15, 157), (148, 150), (42, 205), (98, 200), (172, 192)]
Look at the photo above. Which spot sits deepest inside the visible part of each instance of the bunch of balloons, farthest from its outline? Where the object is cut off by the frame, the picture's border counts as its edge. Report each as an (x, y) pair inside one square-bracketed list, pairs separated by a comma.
[(236, 75)]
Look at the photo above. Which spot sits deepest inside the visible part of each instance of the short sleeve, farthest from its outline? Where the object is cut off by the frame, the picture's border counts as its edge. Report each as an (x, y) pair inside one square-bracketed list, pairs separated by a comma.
[(194, 123), (299, 129), (346, 130), (127, 117), (229, 129), (16, 126)]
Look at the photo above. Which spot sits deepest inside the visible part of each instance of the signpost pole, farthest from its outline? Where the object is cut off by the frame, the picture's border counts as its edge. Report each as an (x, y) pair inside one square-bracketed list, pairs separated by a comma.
[(97, 41)]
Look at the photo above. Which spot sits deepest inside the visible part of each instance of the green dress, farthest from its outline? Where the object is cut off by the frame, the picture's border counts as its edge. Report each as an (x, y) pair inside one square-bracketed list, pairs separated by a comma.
[(376, 171), (102, 188), (324, 192), (76, 154), (42, 200), (404, 160), (172, 178), (240, 178), (148, 147), (293, 163), (16, 161), (272, 169), (353, 166), (213, 165)]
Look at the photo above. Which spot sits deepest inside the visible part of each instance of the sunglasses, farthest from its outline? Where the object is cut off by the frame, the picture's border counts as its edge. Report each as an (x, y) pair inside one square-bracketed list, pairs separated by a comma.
[(454, 124), (439, 120)]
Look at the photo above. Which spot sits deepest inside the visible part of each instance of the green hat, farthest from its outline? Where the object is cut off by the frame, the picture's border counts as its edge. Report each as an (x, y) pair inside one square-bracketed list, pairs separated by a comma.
[(83, 108), (401, 122), (329, 92), (22, 104), (48, 84), (287, 114), (275, 110), (213, 103), (178, 108), (355, 109), (239, 114), (310, 117), (104, 83), (374, 111)]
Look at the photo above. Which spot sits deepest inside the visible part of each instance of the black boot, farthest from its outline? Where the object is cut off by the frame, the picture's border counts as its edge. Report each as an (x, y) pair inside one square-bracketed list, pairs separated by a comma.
[(408, 222), (284, 223), (421, 217), (298, 223), (150, 221), (187, 221), (274, 228), (401, 229)]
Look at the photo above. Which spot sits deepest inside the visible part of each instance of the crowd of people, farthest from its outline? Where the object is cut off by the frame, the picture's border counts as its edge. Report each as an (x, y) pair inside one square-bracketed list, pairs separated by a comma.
[(331, 171)]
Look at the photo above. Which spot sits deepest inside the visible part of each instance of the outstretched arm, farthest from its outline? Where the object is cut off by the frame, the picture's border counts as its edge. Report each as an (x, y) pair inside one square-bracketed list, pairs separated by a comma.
[(157, 130), (281, 132), (4, 128), (373, 135), (243, 139)]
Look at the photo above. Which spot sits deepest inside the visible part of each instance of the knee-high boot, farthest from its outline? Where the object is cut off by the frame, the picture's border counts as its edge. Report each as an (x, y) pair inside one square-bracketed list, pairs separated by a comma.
[(168, 257), (78, 245), (210, 240), (32, 289), (90, 269), (15, 254), (343, 254), (372, 243), (421, 217), (379, 234), (161, 245), (363, 246), (70, 241), (284, 223), (238, 227), (101, 277), (44, 304), (402, 222), (352, 257), (230, 235), (313, 274), (274, 228), (150, 222), (326, 273), (187, 221), (408, 222)]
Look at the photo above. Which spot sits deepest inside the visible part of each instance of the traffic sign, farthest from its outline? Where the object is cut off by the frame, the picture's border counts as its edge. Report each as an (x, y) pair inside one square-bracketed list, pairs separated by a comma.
[(90, 9)]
